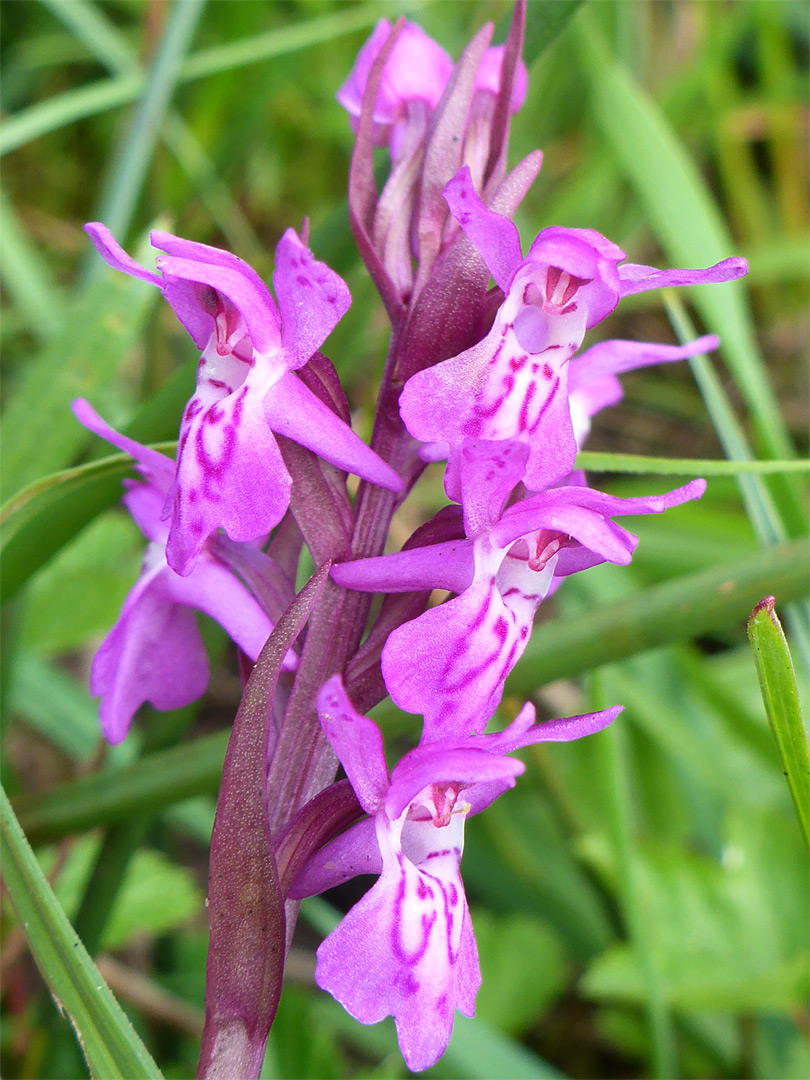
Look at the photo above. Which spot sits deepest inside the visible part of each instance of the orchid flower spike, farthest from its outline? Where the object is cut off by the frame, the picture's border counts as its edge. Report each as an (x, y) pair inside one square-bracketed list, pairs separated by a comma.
[(451, 662), (154, 652), (514, 383), (230, 473), (407, 949)]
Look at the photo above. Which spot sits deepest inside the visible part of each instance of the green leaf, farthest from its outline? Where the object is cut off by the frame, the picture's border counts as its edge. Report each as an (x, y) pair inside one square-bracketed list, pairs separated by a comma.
[(545, 20), (678, 610), (44, 516), (110, 1045), (156, 894), (780, 695)]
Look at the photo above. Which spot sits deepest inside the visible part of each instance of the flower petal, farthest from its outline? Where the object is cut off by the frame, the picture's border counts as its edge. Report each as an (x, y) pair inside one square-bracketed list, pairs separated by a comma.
[(494, 236), (312, 299), (292, 410), (449, 565), (636, 278), (354, 852), (153, 653), (357, 742), (115, 256), (152, 465), (614, 357)]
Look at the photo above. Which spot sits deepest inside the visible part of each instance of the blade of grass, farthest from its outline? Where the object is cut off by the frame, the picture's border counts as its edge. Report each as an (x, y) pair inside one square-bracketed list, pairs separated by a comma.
[(691, 230), (780, 695), (91, 27), (73, 105), (599, 461), (106, 1036), (27, 278), (677, 610), (614, 771), (136, 146)]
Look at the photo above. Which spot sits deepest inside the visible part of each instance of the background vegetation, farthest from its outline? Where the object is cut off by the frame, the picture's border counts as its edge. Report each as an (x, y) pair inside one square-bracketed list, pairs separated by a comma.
[(640, 898)]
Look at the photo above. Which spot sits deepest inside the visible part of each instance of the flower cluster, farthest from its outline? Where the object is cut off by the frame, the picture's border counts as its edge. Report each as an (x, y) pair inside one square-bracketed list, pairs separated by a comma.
[(495, 381)]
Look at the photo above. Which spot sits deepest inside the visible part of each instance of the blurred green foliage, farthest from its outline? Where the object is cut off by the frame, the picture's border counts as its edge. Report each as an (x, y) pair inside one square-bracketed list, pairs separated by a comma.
[(641, 907)]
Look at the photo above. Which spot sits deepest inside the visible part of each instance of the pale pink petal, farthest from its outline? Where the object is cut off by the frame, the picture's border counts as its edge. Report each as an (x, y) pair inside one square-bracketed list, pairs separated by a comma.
[(636, 278), (152, 465)]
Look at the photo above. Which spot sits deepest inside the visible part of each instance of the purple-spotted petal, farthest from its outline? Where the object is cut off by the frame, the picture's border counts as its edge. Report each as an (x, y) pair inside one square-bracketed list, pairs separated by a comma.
[(489, 473), (230, 475), (153, 653), (312, 299), (451, 662), (636, 278), (495, 236), (357, 742), (291, 409), (403, 951)]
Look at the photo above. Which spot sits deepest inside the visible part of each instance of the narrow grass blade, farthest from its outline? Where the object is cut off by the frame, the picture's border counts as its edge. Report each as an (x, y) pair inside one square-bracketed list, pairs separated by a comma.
[(678, 610), (90, 26), (73, 105), (44, 516), (150, 785), (689, 225), (545, 20), (780, 695), (135, 149), (106, 1036), (598, 461), (27, 278)]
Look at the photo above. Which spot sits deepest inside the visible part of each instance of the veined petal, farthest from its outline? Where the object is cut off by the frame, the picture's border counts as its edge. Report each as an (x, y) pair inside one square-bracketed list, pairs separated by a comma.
[(451, 662), (494, 236), (489, 473), (312, 299), (291, 409), (442, 762), (246, 291), (230, 475), (636, 278), (449, 565), (153, 653), (357, 742), (402, 950)]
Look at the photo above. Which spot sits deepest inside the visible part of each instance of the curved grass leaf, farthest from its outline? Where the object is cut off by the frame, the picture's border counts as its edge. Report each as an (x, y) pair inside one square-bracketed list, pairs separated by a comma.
[(780, 696), (48, 513), (110, 1045)]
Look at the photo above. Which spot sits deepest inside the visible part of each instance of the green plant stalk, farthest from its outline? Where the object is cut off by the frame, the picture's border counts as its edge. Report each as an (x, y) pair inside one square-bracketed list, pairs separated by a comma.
[(677, 610), (106, 1036), (780, 695), (619, 799)]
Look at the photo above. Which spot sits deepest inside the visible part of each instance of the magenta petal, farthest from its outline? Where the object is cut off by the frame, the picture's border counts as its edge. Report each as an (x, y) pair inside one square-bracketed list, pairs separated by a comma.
[(614, 357), (312, 299), (636, 278), (291, 409), (449, 565), (212, 588), (402, 951), (357, 742), (230, 475), (565, 729), (153, 465), (115, 256), (493, 235), (489, 473), (153, 653), (450, 663), (246, 291), (429, 763), (435, 403), (354, 852)]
